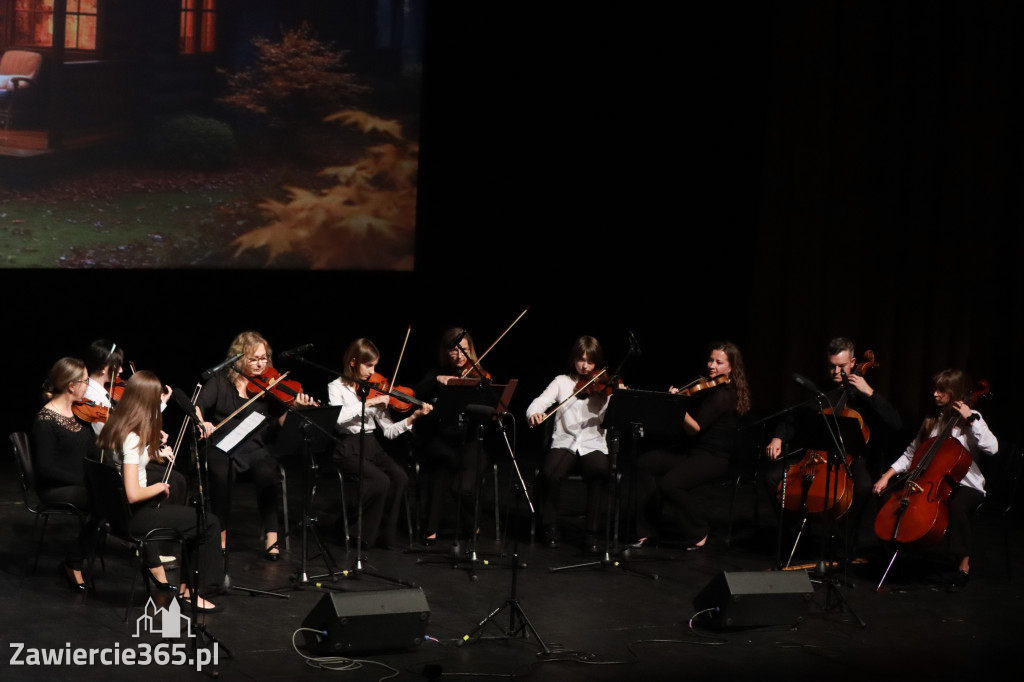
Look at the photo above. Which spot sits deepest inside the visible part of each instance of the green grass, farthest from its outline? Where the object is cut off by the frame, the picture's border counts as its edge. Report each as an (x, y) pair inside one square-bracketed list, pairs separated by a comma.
[(139, 230)]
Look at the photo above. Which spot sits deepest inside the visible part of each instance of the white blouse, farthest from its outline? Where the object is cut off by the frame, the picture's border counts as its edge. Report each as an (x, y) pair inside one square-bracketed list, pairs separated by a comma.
[(577, 424), (976, 437), (344, 394)]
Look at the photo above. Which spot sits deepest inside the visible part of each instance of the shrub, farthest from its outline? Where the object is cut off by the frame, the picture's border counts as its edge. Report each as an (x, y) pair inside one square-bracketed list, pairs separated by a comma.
[(192, 142)]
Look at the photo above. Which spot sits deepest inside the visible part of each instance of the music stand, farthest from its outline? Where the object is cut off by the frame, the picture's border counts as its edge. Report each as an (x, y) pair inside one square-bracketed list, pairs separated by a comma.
[(462, 401), (311, 435), (644, 413)]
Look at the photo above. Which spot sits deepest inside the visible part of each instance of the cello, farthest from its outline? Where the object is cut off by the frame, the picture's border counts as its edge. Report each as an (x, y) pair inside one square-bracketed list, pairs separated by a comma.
[(809, 487), (918, 513)]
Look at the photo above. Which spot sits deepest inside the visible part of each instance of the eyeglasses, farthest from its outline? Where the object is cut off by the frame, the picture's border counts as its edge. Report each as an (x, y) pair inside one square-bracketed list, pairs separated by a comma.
[(256, 361)]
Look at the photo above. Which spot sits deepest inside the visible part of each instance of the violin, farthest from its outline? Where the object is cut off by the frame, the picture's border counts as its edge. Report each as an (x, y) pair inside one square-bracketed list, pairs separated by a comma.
[(701, 383), (401, 399), (918, 514), (116, 388), (285, 390), (810, 487), (89, 411), (599, 384)]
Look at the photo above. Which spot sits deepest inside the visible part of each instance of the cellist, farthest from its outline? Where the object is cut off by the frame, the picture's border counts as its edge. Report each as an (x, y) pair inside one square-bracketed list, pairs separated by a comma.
[(860, 396), (951, 388)]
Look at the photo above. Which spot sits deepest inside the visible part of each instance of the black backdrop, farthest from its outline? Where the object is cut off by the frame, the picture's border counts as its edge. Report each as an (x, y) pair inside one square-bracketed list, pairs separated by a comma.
[(776, 176)]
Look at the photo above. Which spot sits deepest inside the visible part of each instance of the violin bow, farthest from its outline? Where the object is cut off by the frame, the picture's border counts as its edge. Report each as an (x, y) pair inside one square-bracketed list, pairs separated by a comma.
[(479, 359), (401, 354), (575, 393), (181, 437), (270, 385)]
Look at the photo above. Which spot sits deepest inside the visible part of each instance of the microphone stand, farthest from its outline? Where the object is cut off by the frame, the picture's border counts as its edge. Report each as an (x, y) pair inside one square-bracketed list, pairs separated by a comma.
[(824, 569), (518, 623), (194, 579), (358, 568)]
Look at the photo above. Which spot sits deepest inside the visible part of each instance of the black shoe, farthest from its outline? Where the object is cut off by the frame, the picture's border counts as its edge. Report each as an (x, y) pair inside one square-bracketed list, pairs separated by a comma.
[(959, 582), (430, 540), (697, 547), (186, 606), (551, 537), (67, 574), (271, 555), (160, 586)]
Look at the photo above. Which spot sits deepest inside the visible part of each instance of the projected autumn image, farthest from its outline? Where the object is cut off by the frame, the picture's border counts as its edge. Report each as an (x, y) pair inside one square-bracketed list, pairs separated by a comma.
[(210, 135)]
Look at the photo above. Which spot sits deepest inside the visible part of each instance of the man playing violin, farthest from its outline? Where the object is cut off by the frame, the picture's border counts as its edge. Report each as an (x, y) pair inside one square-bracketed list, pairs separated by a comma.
[(849, 388)]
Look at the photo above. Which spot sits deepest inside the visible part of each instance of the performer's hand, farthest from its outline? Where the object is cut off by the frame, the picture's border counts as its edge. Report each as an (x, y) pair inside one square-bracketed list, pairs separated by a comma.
[(857, 381), (963, 409), (444, 379), (881, 484), (380, 400), (303, 400), (774, 448), (167, 453), (165, 394), (205, 428), (536, 418), (673, 389)]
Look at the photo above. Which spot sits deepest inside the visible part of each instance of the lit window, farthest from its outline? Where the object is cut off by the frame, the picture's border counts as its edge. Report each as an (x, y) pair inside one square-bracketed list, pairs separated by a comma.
[(198, 26), (33, 24)]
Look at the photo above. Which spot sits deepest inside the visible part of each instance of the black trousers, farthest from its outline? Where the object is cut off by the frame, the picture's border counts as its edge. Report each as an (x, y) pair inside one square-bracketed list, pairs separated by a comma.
[(201, 550), (264, 473), (382, 490), (666, 476), (454, 467), (77, 495), (559, 463)]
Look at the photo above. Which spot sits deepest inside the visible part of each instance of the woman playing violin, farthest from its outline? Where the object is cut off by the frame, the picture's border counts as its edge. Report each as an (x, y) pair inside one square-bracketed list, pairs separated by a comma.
[(59, 444), (129, 438), (668, 475), (951, 388), (452, 459), (384, 482), (577, 439), (222, 396)]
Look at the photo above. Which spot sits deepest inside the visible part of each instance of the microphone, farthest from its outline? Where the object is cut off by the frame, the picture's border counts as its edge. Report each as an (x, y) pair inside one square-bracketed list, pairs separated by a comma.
[(454, 344), (846, 379), (481, 410), (807, 383), (181, 399), (295, 352), (216, 368)]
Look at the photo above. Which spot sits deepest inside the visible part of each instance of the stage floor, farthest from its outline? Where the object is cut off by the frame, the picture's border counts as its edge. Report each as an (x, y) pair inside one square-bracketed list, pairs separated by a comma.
[(609, 621)]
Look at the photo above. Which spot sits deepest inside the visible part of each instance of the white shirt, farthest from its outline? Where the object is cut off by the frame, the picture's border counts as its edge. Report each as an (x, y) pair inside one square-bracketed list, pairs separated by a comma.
[(976, 437), (344, 394), (96, 393), (577, 424), (130, 454)]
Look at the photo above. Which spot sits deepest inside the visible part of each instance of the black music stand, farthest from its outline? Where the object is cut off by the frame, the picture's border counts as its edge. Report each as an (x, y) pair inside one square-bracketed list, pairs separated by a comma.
[(644, 414), (311, 435), (472, 402)]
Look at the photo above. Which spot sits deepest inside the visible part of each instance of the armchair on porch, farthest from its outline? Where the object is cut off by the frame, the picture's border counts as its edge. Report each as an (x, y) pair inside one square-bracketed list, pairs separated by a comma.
[(19, 73)]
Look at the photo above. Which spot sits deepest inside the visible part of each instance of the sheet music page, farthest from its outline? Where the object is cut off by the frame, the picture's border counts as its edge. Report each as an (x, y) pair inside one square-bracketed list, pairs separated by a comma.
[(238, 434)]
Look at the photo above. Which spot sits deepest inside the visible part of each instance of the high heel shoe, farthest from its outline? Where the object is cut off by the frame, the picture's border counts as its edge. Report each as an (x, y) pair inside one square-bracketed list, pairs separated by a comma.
[(160, 586), (186, 605), (270, 555), (67, 574)]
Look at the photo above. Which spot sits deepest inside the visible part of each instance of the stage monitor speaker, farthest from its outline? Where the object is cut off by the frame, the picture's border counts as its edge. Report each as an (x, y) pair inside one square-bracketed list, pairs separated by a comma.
[(754, 599), (359, 622)]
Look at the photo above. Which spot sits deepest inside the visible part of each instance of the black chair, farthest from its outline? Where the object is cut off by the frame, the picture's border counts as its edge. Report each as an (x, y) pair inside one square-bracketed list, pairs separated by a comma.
[(113, 512), (1002, 479), (42, 510)]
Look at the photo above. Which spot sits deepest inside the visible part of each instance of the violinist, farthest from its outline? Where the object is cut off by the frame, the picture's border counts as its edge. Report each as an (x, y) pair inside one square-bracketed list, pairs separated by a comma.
[(453, 461), (131, 434), (951, 388), (876, 411), (668, 475), (59, 445), (384, 482), (222, 396), (105, 361), (577, 441)]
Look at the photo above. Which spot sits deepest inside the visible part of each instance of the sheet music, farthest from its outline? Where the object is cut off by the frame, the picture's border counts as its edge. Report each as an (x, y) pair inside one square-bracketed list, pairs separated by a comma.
[(239, 433)]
